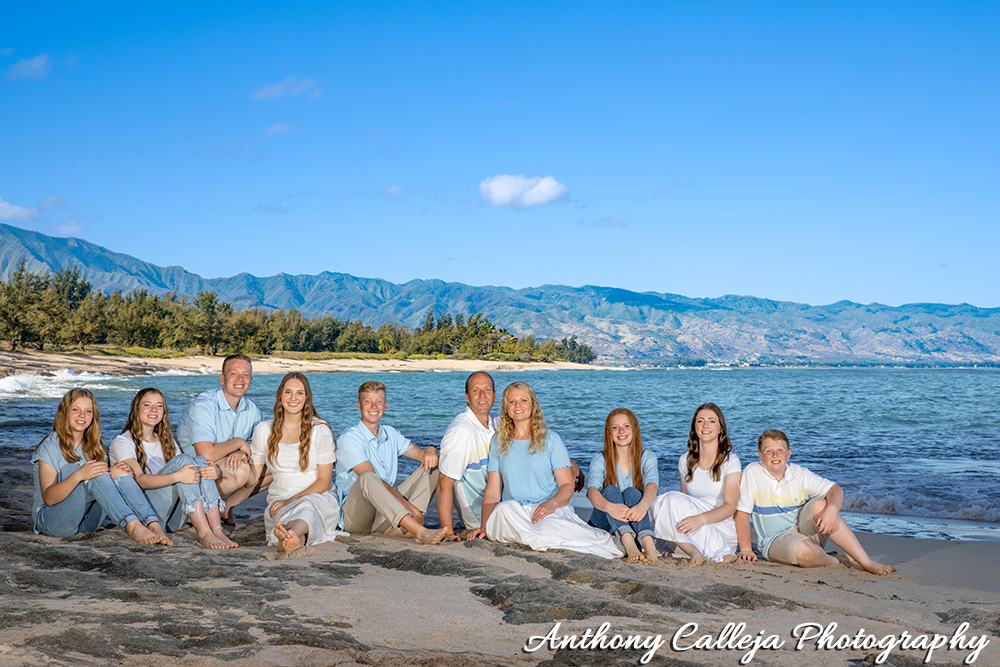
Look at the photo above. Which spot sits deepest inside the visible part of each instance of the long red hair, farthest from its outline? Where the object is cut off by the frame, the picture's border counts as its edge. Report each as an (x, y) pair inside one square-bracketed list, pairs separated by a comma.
[(610, 450)]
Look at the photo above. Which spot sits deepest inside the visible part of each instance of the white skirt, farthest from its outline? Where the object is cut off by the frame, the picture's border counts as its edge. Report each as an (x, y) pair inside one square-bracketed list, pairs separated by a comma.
[(563, 529), (321, 511), (713, 540)]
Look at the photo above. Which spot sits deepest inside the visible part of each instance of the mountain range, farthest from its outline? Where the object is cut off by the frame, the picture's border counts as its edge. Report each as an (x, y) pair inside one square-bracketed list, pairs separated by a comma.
[(620, 325)]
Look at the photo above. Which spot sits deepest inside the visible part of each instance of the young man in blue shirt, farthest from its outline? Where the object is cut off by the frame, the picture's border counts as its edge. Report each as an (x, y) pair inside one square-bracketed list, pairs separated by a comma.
[(367, 461), (218, 425)]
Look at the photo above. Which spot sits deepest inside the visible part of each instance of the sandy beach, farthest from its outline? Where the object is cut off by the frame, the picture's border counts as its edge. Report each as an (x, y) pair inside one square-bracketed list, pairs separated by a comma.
[(98, 599), (33, 361)]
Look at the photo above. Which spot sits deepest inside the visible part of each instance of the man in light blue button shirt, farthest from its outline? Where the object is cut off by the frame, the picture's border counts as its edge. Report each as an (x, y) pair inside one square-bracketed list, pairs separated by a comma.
[(218, 425), (367, 461)]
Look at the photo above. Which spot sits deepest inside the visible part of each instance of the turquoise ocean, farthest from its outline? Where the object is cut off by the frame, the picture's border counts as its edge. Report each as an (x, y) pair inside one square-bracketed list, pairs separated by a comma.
[(917, 451)]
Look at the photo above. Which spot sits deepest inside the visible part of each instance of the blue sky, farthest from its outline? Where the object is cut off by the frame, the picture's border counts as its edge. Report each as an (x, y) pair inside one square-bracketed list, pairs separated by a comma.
[(807, 152)]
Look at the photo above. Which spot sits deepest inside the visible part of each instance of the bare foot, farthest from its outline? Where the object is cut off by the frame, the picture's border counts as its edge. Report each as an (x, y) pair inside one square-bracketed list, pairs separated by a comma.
[(697, 558), (649, 548), (729, 558), (227, 518), (288, 541), (875, 567), (158, 531), (632, 553), (428, 536), (399, 532), (211, 540), (225, 538), (139, 533)]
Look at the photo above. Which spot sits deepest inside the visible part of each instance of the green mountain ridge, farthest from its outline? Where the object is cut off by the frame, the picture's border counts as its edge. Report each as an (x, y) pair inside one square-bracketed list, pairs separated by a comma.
[(620, 325)]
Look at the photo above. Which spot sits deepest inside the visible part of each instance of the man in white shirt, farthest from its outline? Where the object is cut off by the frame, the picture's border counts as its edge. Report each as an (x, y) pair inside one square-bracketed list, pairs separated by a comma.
[(465, 450)]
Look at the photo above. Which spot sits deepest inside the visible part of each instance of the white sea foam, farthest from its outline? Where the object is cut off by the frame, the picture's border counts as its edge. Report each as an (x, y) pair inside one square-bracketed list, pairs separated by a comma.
[(46, 385), (180, 372), (923, 506)]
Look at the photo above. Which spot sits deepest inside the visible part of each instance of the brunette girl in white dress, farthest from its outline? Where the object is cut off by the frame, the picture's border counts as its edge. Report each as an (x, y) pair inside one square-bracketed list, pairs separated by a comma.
[(698, 519)]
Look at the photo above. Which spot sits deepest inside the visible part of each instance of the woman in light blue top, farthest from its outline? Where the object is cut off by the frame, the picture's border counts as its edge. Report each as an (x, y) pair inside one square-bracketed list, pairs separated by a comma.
[(529, 484), (75, 491), (623, 484)]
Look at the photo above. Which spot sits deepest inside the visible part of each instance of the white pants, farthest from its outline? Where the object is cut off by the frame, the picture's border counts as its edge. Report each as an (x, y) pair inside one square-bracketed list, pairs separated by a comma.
[(511, 522)]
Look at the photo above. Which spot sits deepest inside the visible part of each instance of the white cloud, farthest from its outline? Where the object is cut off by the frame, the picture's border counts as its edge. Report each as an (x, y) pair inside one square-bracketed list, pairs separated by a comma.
[(290, 87), (14, 213), (36, 68), (280, 128), (52, 200), (395, 191), (521, 192), (69, 227)]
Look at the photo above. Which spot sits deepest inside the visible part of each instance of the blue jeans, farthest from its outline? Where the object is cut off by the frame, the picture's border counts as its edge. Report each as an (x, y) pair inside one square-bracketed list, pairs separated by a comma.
[(174, 502), (92, 503), (630, 498)]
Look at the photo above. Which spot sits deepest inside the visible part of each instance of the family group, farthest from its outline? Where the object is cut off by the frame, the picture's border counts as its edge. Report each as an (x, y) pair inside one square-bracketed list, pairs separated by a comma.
[(509, 478)]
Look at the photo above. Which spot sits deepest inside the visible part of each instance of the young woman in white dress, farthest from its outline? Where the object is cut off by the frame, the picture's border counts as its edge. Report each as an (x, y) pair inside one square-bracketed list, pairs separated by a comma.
[(178, 486), (698, 519), (530, 482), (299, 450)]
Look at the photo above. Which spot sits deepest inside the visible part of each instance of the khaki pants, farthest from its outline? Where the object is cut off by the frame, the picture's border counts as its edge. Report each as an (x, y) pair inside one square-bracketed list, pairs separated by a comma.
[(784, 547), (371, 508)]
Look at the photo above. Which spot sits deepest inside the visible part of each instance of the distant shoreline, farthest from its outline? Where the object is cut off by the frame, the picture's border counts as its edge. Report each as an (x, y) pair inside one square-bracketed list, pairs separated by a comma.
[(34, 361), (122, 363)]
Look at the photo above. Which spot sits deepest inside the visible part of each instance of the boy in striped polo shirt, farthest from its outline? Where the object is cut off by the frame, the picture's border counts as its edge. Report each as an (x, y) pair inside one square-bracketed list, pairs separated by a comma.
[(794, 511)]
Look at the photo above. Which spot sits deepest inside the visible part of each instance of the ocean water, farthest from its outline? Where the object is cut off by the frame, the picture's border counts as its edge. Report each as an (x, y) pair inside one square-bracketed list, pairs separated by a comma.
[(917, 451)]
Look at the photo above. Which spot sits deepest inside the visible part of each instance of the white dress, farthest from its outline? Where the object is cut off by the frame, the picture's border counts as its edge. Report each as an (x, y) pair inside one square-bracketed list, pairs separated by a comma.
[(321, 511), (714, 540)]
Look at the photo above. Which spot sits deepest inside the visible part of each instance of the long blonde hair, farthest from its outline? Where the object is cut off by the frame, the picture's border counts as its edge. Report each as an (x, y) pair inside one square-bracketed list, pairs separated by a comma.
[(505, 431), (610, 449), (93, 448), (162, 430), (308, 416), (694, 444)]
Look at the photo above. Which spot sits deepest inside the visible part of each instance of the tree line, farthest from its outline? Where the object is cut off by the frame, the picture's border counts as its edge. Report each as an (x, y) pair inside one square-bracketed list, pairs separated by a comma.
[(63, 310)]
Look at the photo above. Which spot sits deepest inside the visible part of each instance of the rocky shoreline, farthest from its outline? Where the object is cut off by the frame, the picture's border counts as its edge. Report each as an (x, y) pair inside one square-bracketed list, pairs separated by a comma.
[(99, 599)]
